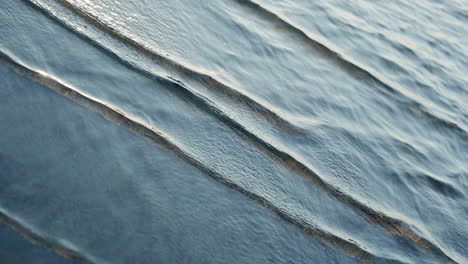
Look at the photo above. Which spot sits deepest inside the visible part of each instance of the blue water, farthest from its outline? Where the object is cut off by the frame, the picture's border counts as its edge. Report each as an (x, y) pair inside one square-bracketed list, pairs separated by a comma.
[(235, 131)]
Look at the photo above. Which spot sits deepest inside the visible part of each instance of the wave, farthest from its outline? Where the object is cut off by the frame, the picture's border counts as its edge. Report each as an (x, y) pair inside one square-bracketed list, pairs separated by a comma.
[(348, 65), (395, 226), (29, 234), (156, 137)]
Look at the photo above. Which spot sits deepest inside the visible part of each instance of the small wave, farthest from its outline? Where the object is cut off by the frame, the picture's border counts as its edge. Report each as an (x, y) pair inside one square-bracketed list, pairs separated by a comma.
[(34, 237), (436, 184)]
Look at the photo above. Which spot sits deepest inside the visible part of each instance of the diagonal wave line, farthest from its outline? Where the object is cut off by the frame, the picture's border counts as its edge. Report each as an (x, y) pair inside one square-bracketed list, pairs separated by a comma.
[(393, 225)]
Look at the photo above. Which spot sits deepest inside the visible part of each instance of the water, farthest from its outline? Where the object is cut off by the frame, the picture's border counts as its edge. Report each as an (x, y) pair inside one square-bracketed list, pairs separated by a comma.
[(237, 131)]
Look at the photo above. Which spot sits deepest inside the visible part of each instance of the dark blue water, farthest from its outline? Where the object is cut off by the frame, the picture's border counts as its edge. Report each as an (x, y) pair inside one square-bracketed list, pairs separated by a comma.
[(235, 131)]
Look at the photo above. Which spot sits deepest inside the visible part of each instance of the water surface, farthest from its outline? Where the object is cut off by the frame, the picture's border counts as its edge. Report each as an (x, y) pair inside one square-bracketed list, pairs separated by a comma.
[(342, 126)]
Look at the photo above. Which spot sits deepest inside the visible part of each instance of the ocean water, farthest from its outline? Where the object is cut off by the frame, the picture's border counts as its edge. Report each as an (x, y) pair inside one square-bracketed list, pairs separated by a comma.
[(234, 131)]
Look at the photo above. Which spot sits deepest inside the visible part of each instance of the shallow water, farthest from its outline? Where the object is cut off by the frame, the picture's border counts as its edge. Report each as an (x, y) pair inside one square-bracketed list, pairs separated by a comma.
[(276, 131)]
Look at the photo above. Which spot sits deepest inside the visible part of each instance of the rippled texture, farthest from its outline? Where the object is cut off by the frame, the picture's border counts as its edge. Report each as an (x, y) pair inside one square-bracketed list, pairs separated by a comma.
[(327, 128)]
